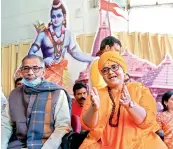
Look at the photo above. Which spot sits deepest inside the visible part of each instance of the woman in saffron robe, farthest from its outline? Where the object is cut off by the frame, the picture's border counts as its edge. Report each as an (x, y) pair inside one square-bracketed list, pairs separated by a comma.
[(119, 116), (165, 118), (109, 43)]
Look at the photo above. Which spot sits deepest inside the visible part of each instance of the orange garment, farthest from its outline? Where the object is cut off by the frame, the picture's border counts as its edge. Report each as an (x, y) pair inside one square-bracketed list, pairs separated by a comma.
[(165, 120), (95, 76), (76, 108), (127, 135), (55, 72), (114, 57)]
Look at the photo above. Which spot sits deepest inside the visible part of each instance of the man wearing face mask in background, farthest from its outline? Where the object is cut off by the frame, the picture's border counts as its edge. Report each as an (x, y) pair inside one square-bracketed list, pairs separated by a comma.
[(38, 114)]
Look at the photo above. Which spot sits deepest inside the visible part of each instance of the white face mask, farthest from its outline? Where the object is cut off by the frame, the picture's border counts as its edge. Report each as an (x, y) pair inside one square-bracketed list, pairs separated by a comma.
[(32, 83)]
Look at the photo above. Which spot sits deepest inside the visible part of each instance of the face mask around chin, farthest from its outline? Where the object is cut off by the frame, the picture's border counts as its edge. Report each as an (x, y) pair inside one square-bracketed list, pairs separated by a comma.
[(32, 83)]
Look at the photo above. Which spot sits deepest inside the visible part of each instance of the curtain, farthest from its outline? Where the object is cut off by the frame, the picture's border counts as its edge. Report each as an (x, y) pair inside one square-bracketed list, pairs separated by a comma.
[(8, 67), (22, 51), (85, 42), (11, 57), (152, 47)]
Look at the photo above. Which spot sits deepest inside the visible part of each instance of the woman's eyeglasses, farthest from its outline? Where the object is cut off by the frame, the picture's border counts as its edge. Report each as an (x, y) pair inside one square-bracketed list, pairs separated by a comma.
[(106, 70)]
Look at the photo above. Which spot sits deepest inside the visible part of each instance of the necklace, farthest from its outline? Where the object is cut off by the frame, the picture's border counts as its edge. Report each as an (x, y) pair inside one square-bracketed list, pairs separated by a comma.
[(113, 110), (58, 41)]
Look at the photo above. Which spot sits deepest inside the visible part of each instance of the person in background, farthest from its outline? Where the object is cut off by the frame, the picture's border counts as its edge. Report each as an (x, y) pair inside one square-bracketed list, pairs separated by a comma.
[(127, 78), (37, 115), (159, 106), (80, 94), (165, 118), (18, 82), (109, 43), (120, 115)]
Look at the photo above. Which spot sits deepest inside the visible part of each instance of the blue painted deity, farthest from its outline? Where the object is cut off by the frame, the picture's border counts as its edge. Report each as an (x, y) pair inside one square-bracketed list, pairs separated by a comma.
[(55, 41)]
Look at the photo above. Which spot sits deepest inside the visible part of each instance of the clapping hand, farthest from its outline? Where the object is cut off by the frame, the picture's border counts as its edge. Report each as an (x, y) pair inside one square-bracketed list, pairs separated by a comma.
[(95, 99), (125, 97)]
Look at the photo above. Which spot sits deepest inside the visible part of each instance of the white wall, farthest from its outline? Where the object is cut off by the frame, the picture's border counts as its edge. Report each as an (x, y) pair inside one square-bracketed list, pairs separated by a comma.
[(18, 17), (155, 19), (149, 2)]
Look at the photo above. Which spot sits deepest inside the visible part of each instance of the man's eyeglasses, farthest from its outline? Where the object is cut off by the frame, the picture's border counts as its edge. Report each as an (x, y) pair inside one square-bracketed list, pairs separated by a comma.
[(106, 70), (35, 69)]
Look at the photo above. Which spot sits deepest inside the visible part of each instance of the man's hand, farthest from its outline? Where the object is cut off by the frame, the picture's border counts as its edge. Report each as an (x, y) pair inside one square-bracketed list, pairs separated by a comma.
[(95, 99)]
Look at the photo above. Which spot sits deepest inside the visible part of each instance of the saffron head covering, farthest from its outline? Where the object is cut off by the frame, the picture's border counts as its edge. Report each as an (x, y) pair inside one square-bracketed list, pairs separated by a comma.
[(112, 56)]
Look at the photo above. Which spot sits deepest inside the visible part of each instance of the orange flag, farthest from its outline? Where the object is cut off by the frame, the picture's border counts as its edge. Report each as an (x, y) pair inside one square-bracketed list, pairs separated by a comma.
[(109, 6)]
